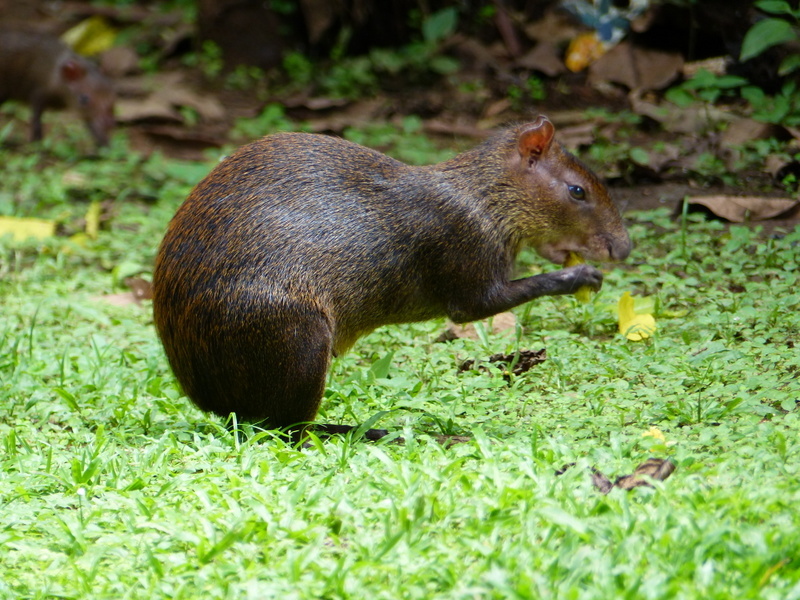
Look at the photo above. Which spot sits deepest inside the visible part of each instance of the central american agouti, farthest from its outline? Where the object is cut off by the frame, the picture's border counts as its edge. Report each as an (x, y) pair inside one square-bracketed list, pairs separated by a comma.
[(41, 70), (298, 244)]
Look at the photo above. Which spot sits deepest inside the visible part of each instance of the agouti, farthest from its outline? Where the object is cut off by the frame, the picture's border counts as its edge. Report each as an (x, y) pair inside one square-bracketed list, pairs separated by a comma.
[(298, 244), (41, 70)]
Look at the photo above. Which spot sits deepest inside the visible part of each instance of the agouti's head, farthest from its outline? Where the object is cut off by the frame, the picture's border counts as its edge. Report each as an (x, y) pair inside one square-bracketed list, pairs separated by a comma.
[(564, 206), (93, 96)]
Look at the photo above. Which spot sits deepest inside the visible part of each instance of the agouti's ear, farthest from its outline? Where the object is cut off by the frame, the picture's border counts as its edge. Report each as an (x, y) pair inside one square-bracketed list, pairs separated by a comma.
[(72, 70), (535, 139)]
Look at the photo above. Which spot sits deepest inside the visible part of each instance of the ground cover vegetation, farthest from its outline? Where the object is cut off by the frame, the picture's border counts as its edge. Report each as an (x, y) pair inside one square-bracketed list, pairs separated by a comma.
[(112, 485)]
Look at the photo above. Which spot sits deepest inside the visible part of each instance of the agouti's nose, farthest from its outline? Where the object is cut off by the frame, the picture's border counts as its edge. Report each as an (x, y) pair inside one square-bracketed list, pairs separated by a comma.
[(620, 247)]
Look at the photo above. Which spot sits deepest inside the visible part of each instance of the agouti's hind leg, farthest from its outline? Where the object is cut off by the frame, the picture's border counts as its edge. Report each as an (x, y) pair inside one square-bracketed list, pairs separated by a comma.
[(295, 372)]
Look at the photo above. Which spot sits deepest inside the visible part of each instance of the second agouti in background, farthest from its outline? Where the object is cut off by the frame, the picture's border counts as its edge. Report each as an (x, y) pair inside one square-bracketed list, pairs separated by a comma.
[(298, 244), (41, 70)]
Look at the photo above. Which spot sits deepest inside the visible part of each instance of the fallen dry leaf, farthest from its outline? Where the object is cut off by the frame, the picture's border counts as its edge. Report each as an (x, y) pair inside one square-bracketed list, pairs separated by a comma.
[(637, 68), (160, 96), (175, 140), (473, 54), (740, 131), (525, 361), (121, 299), (353, 115), (690, 119), (545, 57), (497, 107), (659, 159), (119, 61), (793, 131), (718, 65), (140, 288), (319, 16), (152, 108), (555, 26), (500, 323), (780, 168), (739, 209), (314, 103), (657, 469), (440, 127), (576, 136)]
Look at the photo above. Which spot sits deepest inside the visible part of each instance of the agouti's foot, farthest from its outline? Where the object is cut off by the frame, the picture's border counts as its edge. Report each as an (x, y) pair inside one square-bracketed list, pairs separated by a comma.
[(581, 275), (328, 429)]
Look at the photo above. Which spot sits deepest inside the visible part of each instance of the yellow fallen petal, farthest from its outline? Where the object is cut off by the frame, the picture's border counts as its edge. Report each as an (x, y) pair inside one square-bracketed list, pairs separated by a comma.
[(573, 258), (654, 432), (584, 293), (93, 220), (91, 36), (23, 228), (583, 51), (634, 327)]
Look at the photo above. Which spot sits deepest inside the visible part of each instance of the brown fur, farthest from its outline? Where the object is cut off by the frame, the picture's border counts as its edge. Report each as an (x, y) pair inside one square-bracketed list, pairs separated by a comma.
[(298, 244), (41, 70)]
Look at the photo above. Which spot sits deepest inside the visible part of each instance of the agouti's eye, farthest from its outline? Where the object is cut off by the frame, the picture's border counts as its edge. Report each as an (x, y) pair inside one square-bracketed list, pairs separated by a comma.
[(577, 192)]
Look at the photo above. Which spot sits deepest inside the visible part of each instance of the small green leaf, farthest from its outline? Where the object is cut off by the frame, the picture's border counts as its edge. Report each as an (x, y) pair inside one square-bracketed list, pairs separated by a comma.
[(640, 156), (730, 81), (775, 7), (753, 94), (444, 65), (562, 518), (380, 368), (440, 24), (679, 97), (68, 397), (789, 64), (765, 34)]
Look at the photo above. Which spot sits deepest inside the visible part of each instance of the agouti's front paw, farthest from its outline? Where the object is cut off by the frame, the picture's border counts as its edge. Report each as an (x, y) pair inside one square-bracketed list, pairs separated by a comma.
[(580, 275)]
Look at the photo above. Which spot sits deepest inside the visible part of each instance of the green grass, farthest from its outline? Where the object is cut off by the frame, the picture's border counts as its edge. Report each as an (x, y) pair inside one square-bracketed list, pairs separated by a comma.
[(112, 485)]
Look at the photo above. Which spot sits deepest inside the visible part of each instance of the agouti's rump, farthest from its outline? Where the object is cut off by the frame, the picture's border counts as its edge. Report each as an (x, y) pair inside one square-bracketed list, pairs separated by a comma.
[(298, 244)]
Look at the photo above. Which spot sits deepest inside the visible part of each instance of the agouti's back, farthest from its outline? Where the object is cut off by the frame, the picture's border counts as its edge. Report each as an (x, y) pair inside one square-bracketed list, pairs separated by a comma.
[(298, 244)]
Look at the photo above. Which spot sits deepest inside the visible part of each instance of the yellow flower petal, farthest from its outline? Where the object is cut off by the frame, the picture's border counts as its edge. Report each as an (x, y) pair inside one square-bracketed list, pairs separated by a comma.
[(91, 36), (654, 432), (583, 51), (22, 228), (584, 293), (93, 220), (634, 327)]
